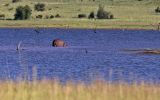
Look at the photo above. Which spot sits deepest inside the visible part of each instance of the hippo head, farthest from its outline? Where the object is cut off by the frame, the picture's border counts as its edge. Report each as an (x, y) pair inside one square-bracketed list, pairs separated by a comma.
[(58, 43)]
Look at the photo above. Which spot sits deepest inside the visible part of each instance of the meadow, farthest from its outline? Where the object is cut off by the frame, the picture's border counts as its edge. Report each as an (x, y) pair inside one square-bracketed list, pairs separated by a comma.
[(129, 14)]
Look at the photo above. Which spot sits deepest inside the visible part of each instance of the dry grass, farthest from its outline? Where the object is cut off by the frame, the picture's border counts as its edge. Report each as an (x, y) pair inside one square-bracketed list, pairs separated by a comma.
[(52, 90)]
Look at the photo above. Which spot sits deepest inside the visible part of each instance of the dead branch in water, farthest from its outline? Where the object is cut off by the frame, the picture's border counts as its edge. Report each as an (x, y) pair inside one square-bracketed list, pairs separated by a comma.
[(19, 46)]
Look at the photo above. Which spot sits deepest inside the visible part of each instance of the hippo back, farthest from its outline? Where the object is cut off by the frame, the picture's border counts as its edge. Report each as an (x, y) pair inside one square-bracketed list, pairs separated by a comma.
[(58, 43)]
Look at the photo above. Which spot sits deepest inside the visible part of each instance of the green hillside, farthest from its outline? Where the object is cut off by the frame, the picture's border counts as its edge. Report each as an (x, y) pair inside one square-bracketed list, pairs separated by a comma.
[(127, 13)]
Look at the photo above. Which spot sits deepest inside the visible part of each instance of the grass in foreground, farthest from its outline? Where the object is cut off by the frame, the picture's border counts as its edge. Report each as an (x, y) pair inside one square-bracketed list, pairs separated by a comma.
[(98, 90)]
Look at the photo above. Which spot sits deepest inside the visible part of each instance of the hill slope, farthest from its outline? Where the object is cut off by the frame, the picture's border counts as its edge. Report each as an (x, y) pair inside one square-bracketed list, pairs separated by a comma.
[(128, 13)]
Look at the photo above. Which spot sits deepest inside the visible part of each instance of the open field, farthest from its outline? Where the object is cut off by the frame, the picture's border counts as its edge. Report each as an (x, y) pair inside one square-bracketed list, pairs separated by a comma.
[(128, 14), (98, 90)]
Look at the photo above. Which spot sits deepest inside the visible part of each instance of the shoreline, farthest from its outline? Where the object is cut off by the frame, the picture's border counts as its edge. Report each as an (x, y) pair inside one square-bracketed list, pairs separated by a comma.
[(80, 24), (64, 27)]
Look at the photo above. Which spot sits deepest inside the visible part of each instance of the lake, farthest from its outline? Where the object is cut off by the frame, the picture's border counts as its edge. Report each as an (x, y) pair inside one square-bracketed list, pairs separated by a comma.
[(105, 57)]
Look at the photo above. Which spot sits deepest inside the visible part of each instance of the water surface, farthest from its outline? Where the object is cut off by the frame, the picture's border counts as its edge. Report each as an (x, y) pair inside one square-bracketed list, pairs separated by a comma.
[(104, 59)]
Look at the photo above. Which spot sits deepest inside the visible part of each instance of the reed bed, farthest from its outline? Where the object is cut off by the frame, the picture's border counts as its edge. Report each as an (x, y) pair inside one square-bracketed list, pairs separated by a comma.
[(97, 90)]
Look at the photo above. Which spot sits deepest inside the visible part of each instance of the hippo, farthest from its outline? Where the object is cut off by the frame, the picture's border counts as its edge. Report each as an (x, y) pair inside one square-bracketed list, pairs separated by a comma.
[(58, 43)]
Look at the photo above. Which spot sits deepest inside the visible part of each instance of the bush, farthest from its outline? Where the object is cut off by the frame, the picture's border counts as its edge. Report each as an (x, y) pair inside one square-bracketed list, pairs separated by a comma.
[(23, 13), (39, 16), (14, 1), (6, 5), (10, 9), (51, 16), (157, 10), (50, 9), (2, 16), (57, 16), (111, 16), (102, 14), (81, 15), (39, 7), (91, 15)]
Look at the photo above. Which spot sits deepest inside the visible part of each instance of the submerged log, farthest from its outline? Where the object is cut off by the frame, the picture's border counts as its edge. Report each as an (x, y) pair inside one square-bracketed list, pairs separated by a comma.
[(151, 52), (143, 51)]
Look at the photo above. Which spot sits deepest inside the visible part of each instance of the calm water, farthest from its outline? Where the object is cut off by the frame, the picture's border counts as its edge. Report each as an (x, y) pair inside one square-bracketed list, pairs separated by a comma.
[(105, 58)]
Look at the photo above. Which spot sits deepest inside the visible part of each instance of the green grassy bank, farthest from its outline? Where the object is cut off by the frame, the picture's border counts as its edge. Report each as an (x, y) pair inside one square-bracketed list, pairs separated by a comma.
[(129, 14)]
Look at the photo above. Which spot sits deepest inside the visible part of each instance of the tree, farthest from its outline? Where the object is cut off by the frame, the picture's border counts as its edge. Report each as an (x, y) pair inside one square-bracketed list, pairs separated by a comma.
[(157, 10), (91, 15), (28, 12), (23, 13), (102, 14)]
